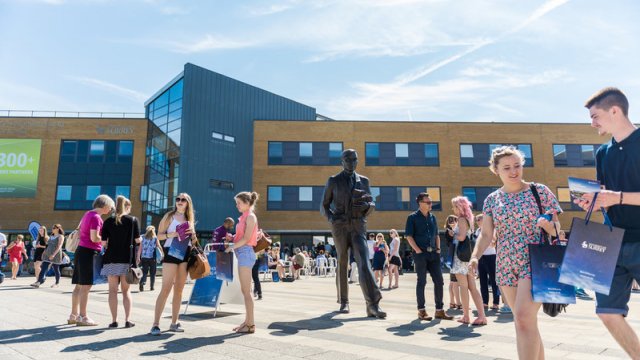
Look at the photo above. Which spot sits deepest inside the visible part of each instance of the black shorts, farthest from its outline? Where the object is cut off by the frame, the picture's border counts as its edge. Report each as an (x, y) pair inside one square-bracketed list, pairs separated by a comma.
[(395, 260), (83, 261), (168, 259)]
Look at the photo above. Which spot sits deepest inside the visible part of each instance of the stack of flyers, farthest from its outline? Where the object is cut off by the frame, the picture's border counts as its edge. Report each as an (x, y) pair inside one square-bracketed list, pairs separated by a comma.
[(578, 187), (182, 231)]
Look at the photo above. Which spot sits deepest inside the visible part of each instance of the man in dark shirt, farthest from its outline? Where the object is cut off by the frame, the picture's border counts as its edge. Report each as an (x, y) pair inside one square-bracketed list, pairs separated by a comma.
[(220, 234), (618, 170), (422, 233)]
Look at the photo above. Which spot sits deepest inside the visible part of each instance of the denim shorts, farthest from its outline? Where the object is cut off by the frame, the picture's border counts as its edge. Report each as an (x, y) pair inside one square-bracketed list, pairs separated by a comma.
[(627, 269), (246, 256)]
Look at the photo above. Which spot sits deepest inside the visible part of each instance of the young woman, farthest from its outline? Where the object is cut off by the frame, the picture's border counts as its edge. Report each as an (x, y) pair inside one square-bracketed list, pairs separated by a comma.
[(119, 234), (41, 244), (174, 268), (487, 271), (51, 256), (381, 253), (90, 245), (513, 212), (15, 251), (394, 259), (245, 239), (466, 279), (147, 256), (454, 289)]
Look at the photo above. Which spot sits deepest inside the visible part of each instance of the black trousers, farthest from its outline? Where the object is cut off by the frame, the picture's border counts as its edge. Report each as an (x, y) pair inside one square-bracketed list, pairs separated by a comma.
[(148, 267), (429, 262), (487, 273), (353, 235), (255, 274)]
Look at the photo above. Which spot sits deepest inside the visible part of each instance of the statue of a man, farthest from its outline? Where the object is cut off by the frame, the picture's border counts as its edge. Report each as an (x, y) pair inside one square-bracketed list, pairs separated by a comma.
[(346, 203)]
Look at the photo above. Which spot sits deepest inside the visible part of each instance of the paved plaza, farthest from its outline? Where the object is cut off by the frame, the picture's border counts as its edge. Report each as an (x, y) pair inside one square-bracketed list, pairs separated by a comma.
[(294, 320)]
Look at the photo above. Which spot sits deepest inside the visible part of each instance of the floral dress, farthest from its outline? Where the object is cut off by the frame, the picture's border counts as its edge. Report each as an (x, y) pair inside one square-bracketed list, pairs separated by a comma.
[(514, 217), (459, 267)]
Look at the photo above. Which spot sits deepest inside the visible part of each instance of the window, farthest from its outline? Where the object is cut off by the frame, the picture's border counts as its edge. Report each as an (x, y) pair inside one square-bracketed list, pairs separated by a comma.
[(306, 193), (477, 195), (565, 200), (229, 138), (294, 198), (304, 153), (123, 190), (96, 148), (125, 148), (220, 136), (221, 184), (479, 154), (402, 198), (274, 193), (64, 193), (216, 135), (93, 191), (574, 155), (402, 154)]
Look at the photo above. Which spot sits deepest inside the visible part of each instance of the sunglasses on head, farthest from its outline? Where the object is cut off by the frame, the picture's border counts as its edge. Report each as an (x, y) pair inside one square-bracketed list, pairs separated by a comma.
[(181, 199)]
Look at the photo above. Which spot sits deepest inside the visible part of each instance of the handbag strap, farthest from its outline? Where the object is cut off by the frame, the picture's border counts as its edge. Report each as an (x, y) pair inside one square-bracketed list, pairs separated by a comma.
[(536, 195), (133, 223)]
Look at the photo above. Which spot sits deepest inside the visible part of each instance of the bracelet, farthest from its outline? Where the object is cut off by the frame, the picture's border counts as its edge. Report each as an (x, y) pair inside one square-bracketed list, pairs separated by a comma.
[(621, 197)]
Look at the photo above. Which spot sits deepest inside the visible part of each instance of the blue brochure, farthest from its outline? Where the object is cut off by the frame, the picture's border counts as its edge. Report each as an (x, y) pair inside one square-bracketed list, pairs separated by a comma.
[(591, 255), (545, 271), (178, 249), (579, 187)]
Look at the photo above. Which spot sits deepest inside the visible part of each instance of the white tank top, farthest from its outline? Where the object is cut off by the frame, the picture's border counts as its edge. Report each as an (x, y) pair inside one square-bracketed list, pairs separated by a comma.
[(170, 229)]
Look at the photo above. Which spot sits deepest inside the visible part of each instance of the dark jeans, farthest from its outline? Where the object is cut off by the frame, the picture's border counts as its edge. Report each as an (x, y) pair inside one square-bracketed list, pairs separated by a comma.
[(148, 267), (44, 268), (487, 273), (429, 262), (255, 274)]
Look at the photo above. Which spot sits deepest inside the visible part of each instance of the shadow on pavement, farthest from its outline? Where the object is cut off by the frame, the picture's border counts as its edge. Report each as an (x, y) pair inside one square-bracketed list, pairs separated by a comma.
[(182, 345), (54, 332), (458, 333), (114, 343), (322, 322), (412, 327)]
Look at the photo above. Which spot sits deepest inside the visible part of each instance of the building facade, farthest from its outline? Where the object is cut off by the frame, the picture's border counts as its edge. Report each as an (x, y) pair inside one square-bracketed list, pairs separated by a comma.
[(293, 160), (51, 169)]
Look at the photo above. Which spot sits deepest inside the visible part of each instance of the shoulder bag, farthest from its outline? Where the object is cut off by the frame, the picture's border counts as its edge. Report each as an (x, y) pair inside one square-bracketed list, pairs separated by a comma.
[(198, 265), (134, 274)]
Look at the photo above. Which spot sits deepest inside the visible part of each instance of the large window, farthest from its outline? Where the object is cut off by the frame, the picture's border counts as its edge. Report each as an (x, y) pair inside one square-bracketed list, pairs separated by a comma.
[(574, 155), (304, 153), (294, 198), (479, 154), (88, 168), (402, 154), (565, 200), (477, 195), (403, 198)]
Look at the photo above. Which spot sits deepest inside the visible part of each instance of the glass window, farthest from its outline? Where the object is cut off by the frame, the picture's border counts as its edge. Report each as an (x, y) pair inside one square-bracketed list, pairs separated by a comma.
[(69, 147), (335, 150), (176, 90), (526, 149), (274, 193), (305, 193), (306, 149), (96, 147), (466, 151), (431, 151), (92, 192), (402, 150), (229, 138), (125, 148), (64, 193), (162, 100), (217, 135), (123, 190), (372, 153)]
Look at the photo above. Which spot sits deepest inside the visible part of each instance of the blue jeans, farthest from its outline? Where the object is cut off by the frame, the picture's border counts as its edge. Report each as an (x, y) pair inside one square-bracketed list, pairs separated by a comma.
[(44, 268)]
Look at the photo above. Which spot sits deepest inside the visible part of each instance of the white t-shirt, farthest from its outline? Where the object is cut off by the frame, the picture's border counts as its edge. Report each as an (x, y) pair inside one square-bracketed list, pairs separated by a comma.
[(490, 250), (3, 242), (371, 244)]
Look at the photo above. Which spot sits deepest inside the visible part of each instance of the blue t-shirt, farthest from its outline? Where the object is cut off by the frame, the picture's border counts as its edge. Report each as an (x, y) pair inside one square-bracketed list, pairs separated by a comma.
[(618, 169), (422, 228)]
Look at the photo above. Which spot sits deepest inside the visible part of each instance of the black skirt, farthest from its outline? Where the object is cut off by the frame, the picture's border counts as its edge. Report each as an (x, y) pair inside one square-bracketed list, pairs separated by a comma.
[(37, 256), (83, 266)]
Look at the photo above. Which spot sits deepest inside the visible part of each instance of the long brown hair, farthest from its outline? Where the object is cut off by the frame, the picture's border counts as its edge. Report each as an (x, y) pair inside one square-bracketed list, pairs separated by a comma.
[(46, 236), (121, 205), (189, 213)]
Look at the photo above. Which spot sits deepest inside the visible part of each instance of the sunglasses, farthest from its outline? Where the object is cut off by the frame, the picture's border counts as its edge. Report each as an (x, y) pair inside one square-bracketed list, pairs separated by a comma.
[(179, 199)]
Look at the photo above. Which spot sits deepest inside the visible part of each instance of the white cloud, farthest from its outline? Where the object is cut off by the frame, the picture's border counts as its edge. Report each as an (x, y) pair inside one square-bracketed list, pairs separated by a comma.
[(207, 43), (15, 96), (133, 95)]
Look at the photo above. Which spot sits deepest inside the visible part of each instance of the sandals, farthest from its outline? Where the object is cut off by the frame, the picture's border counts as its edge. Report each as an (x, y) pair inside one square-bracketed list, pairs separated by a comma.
[(246, 329), (463, 321), (72, 320), (478, 322), (453, 306), (85, 321)]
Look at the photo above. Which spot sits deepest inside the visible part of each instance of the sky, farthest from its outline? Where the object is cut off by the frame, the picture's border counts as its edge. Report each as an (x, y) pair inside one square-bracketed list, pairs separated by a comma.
[(406, 60)]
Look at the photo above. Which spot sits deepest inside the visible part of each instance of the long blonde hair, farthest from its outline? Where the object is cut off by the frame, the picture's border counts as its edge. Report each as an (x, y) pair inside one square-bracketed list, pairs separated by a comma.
[(189, 213), (151, 232), (121, 205), (45, 237)]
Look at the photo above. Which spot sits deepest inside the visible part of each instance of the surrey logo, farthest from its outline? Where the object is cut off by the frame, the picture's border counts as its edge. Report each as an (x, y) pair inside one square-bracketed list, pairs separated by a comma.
[(594, 247)]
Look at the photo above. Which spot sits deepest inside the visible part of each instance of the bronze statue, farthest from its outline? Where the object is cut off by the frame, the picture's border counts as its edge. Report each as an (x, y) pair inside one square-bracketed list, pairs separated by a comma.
[(346, 203)]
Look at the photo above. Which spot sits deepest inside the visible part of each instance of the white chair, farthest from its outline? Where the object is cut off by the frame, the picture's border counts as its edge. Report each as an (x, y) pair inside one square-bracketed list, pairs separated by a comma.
[(331, 267), (307, 268), (321, 266)]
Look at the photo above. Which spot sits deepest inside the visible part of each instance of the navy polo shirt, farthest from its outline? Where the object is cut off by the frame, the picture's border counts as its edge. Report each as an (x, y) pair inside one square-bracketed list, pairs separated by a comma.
[(422, 228), (618, 169)]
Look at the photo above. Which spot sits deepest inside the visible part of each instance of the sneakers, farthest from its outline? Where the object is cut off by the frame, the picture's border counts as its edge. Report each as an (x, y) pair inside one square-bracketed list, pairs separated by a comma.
[(36, 284), (176, 328), (155, 331), (505, 309)]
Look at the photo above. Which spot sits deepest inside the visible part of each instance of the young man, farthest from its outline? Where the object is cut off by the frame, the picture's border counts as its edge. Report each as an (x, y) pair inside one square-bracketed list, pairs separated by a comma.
[(618, 170), (422, 233), (222, 233)]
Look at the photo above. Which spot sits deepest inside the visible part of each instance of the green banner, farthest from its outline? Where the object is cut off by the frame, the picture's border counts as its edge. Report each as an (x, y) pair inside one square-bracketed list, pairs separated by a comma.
[(19, 164)]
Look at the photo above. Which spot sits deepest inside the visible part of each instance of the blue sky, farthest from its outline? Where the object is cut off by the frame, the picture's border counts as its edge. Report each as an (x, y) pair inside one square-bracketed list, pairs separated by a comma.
[(432, 60)]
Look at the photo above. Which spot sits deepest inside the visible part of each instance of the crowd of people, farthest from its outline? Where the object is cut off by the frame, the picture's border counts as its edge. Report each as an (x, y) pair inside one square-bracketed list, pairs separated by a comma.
[(491, 247)]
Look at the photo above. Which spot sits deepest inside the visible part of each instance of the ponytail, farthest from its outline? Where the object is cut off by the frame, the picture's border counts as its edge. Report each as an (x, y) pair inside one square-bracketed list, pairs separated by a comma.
[(121, 204)]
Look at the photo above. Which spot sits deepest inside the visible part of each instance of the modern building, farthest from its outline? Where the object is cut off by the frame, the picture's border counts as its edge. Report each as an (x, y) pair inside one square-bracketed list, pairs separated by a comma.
[(52, 168)]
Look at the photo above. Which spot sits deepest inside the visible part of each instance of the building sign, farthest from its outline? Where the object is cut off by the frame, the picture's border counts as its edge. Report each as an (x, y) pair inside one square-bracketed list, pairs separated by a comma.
[(19, 163)]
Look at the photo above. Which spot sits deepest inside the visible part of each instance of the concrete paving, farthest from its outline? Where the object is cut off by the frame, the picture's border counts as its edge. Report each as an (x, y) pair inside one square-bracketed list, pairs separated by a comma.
[(294, 320)]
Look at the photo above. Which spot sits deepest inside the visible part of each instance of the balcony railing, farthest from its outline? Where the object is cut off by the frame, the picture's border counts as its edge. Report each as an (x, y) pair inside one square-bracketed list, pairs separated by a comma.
[(68, 114)]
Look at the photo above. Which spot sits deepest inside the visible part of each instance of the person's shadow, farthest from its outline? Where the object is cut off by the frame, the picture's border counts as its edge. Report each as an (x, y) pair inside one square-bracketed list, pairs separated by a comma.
[(114, 343), (322, 322), (181, 345), (411, 328), (458, 333), (53, 332)]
